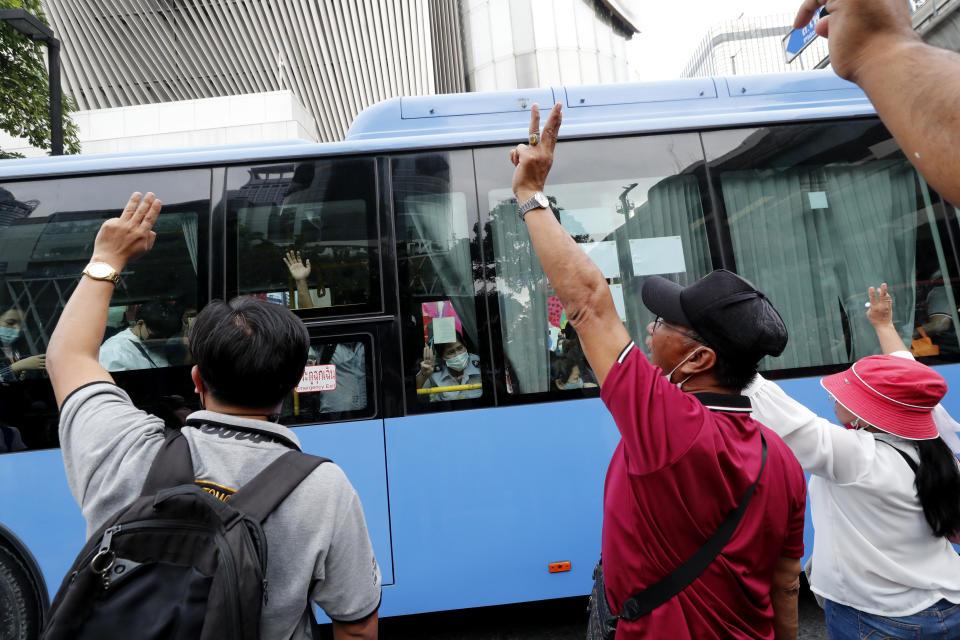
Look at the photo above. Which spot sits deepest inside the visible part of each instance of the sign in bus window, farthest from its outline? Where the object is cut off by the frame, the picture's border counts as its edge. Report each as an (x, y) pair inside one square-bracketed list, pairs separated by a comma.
[(336, 383)]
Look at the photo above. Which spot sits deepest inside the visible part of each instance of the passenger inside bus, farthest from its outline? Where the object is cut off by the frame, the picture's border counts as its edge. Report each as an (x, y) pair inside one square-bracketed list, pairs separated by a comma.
[(936, 323), (457, 368), (349, 358), (17, 363), (131, 349), (568, 346)]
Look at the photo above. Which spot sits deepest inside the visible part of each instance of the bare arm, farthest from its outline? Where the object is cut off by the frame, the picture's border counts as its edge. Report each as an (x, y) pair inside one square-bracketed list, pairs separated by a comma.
[(366, 629), (299, 271), (880, 315), (576, 280), (72, 353), (426, 367), (914, 87), (784, 594)]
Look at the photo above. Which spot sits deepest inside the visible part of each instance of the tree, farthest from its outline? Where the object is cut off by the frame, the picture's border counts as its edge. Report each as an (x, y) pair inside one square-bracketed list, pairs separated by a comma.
[(25, 87)]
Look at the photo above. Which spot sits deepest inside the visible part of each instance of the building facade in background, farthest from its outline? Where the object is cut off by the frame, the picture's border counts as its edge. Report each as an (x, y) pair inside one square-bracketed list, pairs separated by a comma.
[(335, 57), (750, 45), (150, 74)]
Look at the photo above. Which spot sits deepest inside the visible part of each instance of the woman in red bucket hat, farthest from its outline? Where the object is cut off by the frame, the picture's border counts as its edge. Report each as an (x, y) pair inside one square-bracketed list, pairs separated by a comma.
[(884, 492)]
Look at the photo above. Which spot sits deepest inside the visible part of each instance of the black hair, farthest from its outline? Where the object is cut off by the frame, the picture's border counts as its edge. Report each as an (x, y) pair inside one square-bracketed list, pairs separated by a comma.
[(562, 367), (250, 352), (441, 346), (161, 319), (938, 487), (732, 373)]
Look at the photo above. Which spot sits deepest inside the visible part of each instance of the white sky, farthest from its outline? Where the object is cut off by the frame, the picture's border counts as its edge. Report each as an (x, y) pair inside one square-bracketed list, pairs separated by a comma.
[(671, 30)]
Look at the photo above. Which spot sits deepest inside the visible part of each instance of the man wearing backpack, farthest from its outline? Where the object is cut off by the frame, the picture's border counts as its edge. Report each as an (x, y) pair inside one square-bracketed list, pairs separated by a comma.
[(249, 355)]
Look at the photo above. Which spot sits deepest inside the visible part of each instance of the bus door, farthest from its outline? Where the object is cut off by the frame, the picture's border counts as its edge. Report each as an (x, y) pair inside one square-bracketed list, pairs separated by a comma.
[(339, 402), (305, 234)]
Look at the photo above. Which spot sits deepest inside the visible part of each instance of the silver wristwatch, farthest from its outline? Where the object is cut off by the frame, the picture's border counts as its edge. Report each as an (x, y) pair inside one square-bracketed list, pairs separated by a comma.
[(537, 200)]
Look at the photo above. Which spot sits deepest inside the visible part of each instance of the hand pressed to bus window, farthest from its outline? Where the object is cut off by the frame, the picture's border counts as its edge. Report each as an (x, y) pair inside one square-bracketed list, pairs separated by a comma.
[(299, 271)]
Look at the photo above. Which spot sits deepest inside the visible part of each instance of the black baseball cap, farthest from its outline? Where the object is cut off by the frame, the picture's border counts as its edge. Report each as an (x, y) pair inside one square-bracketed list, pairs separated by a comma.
[(727, 311)]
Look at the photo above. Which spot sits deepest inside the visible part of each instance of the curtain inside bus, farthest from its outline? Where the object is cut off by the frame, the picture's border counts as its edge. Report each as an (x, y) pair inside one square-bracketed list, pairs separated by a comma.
[(816, 237)]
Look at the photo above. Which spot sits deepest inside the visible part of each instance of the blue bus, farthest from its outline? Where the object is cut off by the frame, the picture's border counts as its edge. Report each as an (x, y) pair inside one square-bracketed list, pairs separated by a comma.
[(486, 491)]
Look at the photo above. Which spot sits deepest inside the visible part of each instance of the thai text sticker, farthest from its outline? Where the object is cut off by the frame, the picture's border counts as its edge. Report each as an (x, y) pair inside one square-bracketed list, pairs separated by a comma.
[(318, 377)]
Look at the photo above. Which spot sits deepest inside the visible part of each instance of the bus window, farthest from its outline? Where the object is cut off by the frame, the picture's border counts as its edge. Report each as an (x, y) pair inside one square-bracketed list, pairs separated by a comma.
[(819, 212), (47, 229), (321, 212), (337, 383), (634, 205), (436, 249)]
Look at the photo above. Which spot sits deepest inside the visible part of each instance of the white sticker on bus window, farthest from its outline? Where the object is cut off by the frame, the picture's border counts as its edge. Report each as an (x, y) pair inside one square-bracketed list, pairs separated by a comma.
[(616, 290), (818, 199), (444, 330), (595, 221), (318, 377), (604, 255), (657, 255)]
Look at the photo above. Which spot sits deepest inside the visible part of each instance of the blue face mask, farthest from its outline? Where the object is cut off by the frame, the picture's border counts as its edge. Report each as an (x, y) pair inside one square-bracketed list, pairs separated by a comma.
[(574, 385), (8, 335)]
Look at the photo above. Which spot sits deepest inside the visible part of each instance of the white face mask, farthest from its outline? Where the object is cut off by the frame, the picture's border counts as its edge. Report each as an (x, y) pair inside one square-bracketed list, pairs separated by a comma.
[(458, 362), (690, 355)]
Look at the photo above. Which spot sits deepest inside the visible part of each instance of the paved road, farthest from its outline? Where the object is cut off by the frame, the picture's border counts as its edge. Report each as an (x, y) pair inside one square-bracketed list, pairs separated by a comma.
[(552, 620)]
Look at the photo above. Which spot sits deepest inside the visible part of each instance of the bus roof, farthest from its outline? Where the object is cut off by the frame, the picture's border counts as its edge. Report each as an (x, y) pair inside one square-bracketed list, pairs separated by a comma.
[(456, 120)]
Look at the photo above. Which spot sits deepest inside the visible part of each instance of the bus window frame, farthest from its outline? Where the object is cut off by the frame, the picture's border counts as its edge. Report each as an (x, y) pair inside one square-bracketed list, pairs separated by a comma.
[(231, 245)]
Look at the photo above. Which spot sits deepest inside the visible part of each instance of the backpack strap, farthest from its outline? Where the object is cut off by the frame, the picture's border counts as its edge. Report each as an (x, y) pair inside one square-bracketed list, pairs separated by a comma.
[(903, 454), (642, 603), (259, 497), (171, 466)]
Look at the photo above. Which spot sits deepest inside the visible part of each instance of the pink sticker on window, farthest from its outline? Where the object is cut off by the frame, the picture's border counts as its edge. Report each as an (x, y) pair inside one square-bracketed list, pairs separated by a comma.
[(319, 377)]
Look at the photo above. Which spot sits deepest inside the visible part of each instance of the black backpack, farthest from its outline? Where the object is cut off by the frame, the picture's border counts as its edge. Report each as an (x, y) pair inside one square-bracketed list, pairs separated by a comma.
[(177, 563)]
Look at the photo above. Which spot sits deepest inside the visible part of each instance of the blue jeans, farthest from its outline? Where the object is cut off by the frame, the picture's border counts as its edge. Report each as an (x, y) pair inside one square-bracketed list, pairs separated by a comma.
[(940, 621)]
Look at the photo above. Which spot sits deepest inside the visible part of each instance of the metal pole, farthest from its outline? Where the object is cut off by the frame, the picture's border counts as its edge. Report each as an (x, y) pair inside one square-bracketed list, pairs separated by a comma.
[(56, 97)]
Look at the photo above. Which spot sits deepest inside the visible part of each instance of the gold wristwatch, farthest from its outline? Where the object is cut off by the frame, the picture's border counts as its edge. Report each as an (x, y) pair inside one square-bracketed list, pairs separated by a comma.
[(101, 271)]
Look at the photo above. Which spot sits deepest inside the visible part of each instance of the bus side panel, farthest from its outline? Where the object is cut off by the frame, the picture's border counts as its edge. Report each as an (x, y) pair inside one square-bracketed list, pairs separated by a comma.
[(357, 448), (482, 501), (54, 529)]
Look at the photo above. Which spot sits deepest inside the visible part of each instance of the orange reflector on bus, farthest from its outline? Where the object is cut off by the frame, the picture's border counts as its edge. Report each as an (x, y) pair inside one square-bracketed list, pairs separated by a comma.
[(557, 567)]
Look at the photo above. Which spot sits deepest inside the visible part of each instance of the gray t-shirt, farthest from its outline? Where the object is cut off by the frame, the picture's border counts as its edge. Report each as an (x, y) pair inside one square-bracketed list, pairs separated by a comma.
[(317, 538)]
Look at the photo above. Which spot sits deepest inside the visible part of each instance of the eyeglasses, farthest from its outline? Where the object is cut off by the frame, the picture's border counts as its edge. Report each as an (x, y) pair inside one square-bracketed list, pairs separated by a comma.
[(660, 322)]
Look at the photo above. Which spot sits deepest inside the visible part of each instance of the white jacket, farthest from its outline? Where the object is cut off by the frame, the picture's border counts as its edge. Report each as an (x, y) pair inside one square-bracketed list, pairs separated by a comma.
[(874, 550)]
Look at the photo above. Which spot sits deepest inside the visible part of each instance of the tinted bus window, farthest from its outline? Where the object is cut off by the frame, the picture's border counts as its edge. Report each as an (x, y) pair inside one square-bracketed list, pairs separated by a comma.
[(338, 382), (436, 250), (816, 214), (47, 229), (324, 212), (634, 205)]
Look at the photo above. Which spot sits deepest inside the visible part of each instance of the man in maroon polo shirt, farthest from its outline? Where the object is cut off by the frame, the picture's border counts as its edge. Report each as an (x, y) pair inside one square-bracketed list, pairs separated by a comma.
[(689, 450)]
